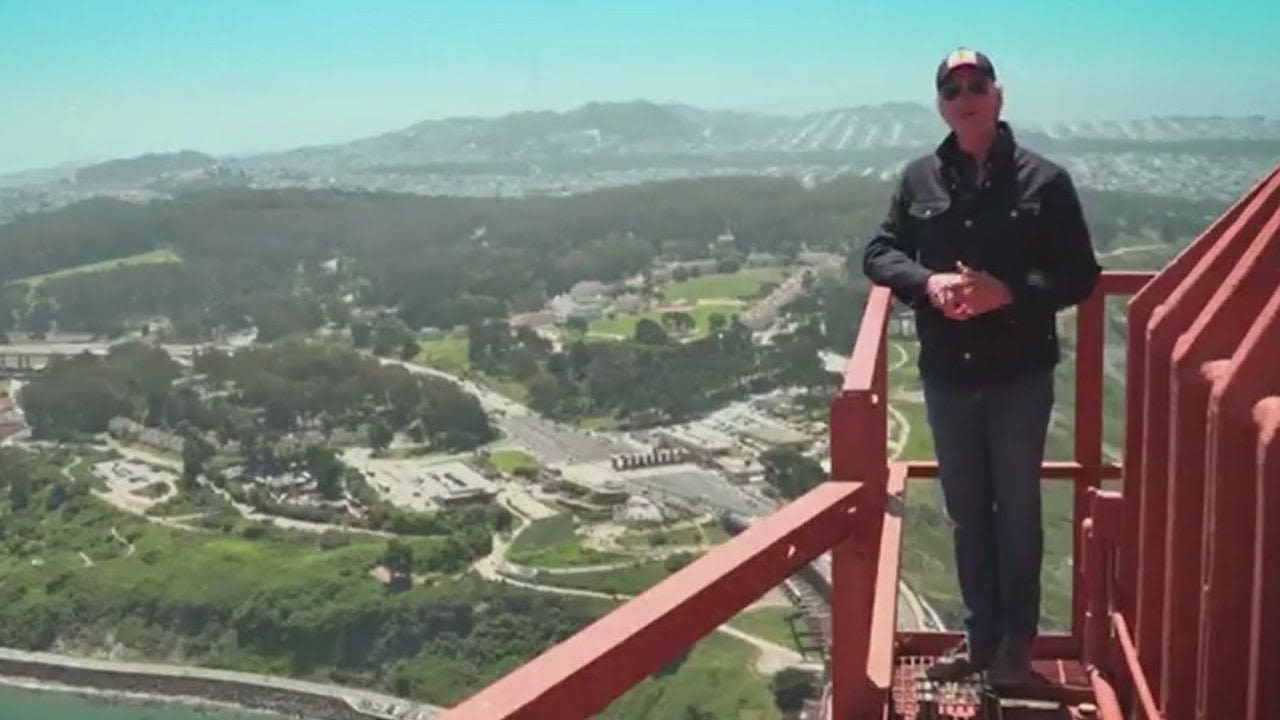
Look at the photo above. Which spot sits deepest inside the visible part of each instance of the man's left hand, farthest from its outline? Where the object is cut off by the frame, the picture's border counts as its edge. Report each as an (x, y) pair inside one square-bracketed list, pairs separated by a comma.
[(982, 292)]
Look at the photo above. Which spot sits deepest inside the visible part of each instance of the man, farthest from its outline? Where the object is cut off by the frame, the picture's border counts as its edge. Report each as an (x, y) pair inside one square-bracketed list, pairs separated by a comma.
[(987, 242)]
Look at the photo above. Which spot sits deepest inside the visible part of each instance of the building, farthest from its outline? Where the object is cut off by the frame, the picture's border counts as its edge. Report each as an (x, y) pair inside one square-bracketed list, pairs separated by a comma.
[(697, 439), (740, 469), (592, 486), (454, 483), (773, 435)]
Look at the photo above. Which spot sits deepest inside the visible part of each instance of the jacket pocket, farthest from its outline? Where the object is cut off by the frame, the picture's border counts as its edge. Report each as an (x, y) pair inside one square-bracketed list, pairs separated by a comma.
[(933, 229), (928, 209)]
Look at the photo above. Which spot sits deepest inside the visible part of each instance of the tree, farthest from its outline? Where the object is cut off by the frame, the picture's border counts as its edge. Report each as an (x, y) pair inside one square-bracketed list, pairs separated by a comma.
[(791, 687), (195, 452), (327, 470), (648, 332), (361, 333), (577, 325), (380, 435), (398, 559), (790, 472)]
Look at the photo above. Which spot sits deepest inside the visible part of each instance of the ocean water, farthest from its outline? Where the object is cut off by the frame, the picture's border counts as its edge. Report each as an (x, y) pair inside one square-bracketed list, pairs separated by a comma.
[(23, 704)]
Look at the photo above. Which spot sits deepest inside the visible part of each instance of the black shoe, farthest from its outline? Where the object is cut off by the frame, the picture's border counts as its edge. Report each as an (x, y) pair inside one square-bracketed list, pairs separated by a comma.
[(961, 662)]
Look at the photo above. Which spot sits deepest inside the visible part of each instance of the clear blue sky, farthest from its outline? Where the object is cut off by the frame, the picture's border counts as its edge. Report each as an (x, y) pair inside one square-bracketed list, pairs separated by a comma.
[(94, 78)]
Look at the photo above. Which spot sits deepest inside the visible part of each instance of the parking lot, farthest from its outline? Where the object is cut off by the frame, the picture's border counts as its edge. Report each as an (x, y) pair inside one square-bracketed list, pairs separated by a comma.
[(553, 445), (695, 486)]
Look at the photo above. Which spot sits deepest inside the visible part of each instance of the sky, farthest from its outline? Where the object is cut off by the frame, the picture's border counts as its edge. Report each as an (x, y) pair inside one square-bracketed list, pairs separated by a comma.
[(90, 79)]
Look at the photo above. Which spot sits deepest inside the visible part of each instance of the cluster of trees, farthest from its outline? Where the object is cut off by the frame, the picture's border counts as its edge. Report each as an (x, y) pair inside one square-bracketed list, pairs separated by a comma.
[(80, 394), (649, 377), (791, 473), (299, 384), (287, 260), (252, 395)]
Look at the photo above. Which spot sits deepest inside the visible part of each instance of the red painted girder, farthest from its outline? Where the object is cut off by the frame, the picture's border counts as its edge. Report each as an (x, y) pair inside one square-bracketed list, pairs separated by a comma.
[(1216, 252), (920, 469), (868, 348), (1248, 300), (1264, 662)]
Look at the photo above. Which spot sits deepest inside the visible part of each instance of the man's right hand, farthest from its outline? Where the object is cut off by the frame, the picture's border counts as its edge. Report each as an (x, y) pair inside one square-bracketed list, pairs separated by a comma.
[(946, 292)]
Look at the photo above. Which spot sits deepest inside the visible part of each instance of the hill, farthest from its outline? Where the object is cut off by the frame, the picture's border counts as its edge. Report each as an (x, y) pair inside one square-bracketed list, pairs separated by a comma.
[(609, 144), (642, 127), (128, 171)]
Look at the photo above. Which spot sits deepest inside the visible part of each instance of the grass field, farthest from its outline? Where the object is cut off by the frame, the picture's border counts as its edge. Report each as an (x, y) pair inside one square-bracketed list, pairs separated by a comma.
[(777, 624), (509, 461), (715, 678), (551, 542), (683, 535), (447, 353), (740, 285), (630, 580), (153, 257), (625, 324)]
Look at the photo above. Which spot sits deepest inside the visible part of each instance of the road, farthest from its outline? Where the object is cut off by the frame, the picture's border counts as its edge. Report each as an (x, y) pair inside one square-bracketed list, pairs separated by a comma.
[(548, 441)]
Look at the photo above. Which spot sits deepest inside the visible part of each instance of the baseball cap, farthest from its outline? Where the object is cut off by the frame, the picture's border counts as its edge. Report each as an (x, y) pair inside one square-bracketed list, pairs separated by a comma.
[(964, 57)]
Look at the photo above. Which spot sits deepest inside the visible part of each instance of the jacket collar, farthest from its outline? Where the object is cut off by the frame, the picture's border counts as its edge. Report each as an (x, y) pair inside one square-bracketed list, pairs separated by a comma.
[(951, 158)]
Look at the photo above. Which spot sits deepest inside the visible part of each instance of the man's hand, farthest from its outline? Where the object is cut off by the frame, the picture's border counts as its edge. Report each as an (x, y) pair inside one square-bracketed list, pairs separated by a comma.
[(946, 292), (981, 293)]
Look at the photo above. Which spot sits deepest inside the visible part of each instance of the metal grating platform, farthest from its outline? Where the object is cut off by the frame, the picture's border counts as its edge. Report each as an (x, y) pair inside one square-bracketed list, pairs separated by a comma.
[(1064, 695)]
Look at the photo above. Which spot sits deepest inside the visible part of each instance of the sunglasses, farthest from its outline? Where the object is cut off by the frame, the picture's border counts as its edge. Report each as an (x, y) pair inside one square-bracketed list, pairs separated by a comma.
[(951, 89)]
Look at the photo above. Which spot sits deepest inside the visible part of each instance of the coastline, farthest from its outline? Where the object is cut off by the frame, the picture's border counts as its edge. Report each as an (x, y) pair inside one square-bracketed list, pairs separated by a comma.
[(123, 695), (196, 686)]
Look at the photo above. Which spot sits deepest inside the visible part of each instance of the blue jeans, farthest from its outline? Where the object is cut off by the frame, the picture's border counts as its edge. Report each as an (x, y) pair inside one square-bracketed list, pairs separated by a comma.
[(990, 443)]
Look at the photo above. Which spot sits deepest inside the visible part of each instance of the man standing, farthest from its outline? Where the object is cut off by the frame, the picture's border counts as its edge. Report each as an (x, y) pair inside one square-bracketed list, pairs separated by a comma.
[(987, 242)]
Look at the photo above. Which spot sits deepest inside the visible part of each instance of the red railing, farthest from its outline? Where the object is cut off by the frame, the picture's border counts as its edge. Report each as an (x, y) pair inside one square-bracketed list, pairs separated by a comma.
[(1231, 273)]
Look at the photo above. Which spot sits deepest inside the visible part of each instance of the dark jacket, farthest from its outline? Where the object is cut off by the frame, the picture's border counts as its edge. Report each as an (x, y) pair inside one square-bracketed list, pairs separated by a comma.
[(1023, 225)]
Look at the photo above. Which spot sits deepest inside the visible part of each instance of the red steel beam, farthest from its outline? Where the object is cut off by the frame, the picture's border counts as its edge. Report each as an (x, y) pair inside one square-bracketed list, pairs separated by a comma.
[(1247, 304), (1146, 702), (1105, 695), (1200, 360), (1215, 254), (868, 356), (1087, 437), (931, 643), (582, 675), (1102, 530), (1124, 282), (1264, 625), (859, 430), (884, 615), (928, 469), (1139, 506)]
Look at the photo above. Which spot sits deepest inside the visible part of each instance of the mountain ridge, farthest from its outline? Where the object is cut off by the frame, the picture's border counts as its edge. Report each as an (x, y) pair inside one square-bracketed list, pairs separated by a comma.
[(602, 144), (645, 127)]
